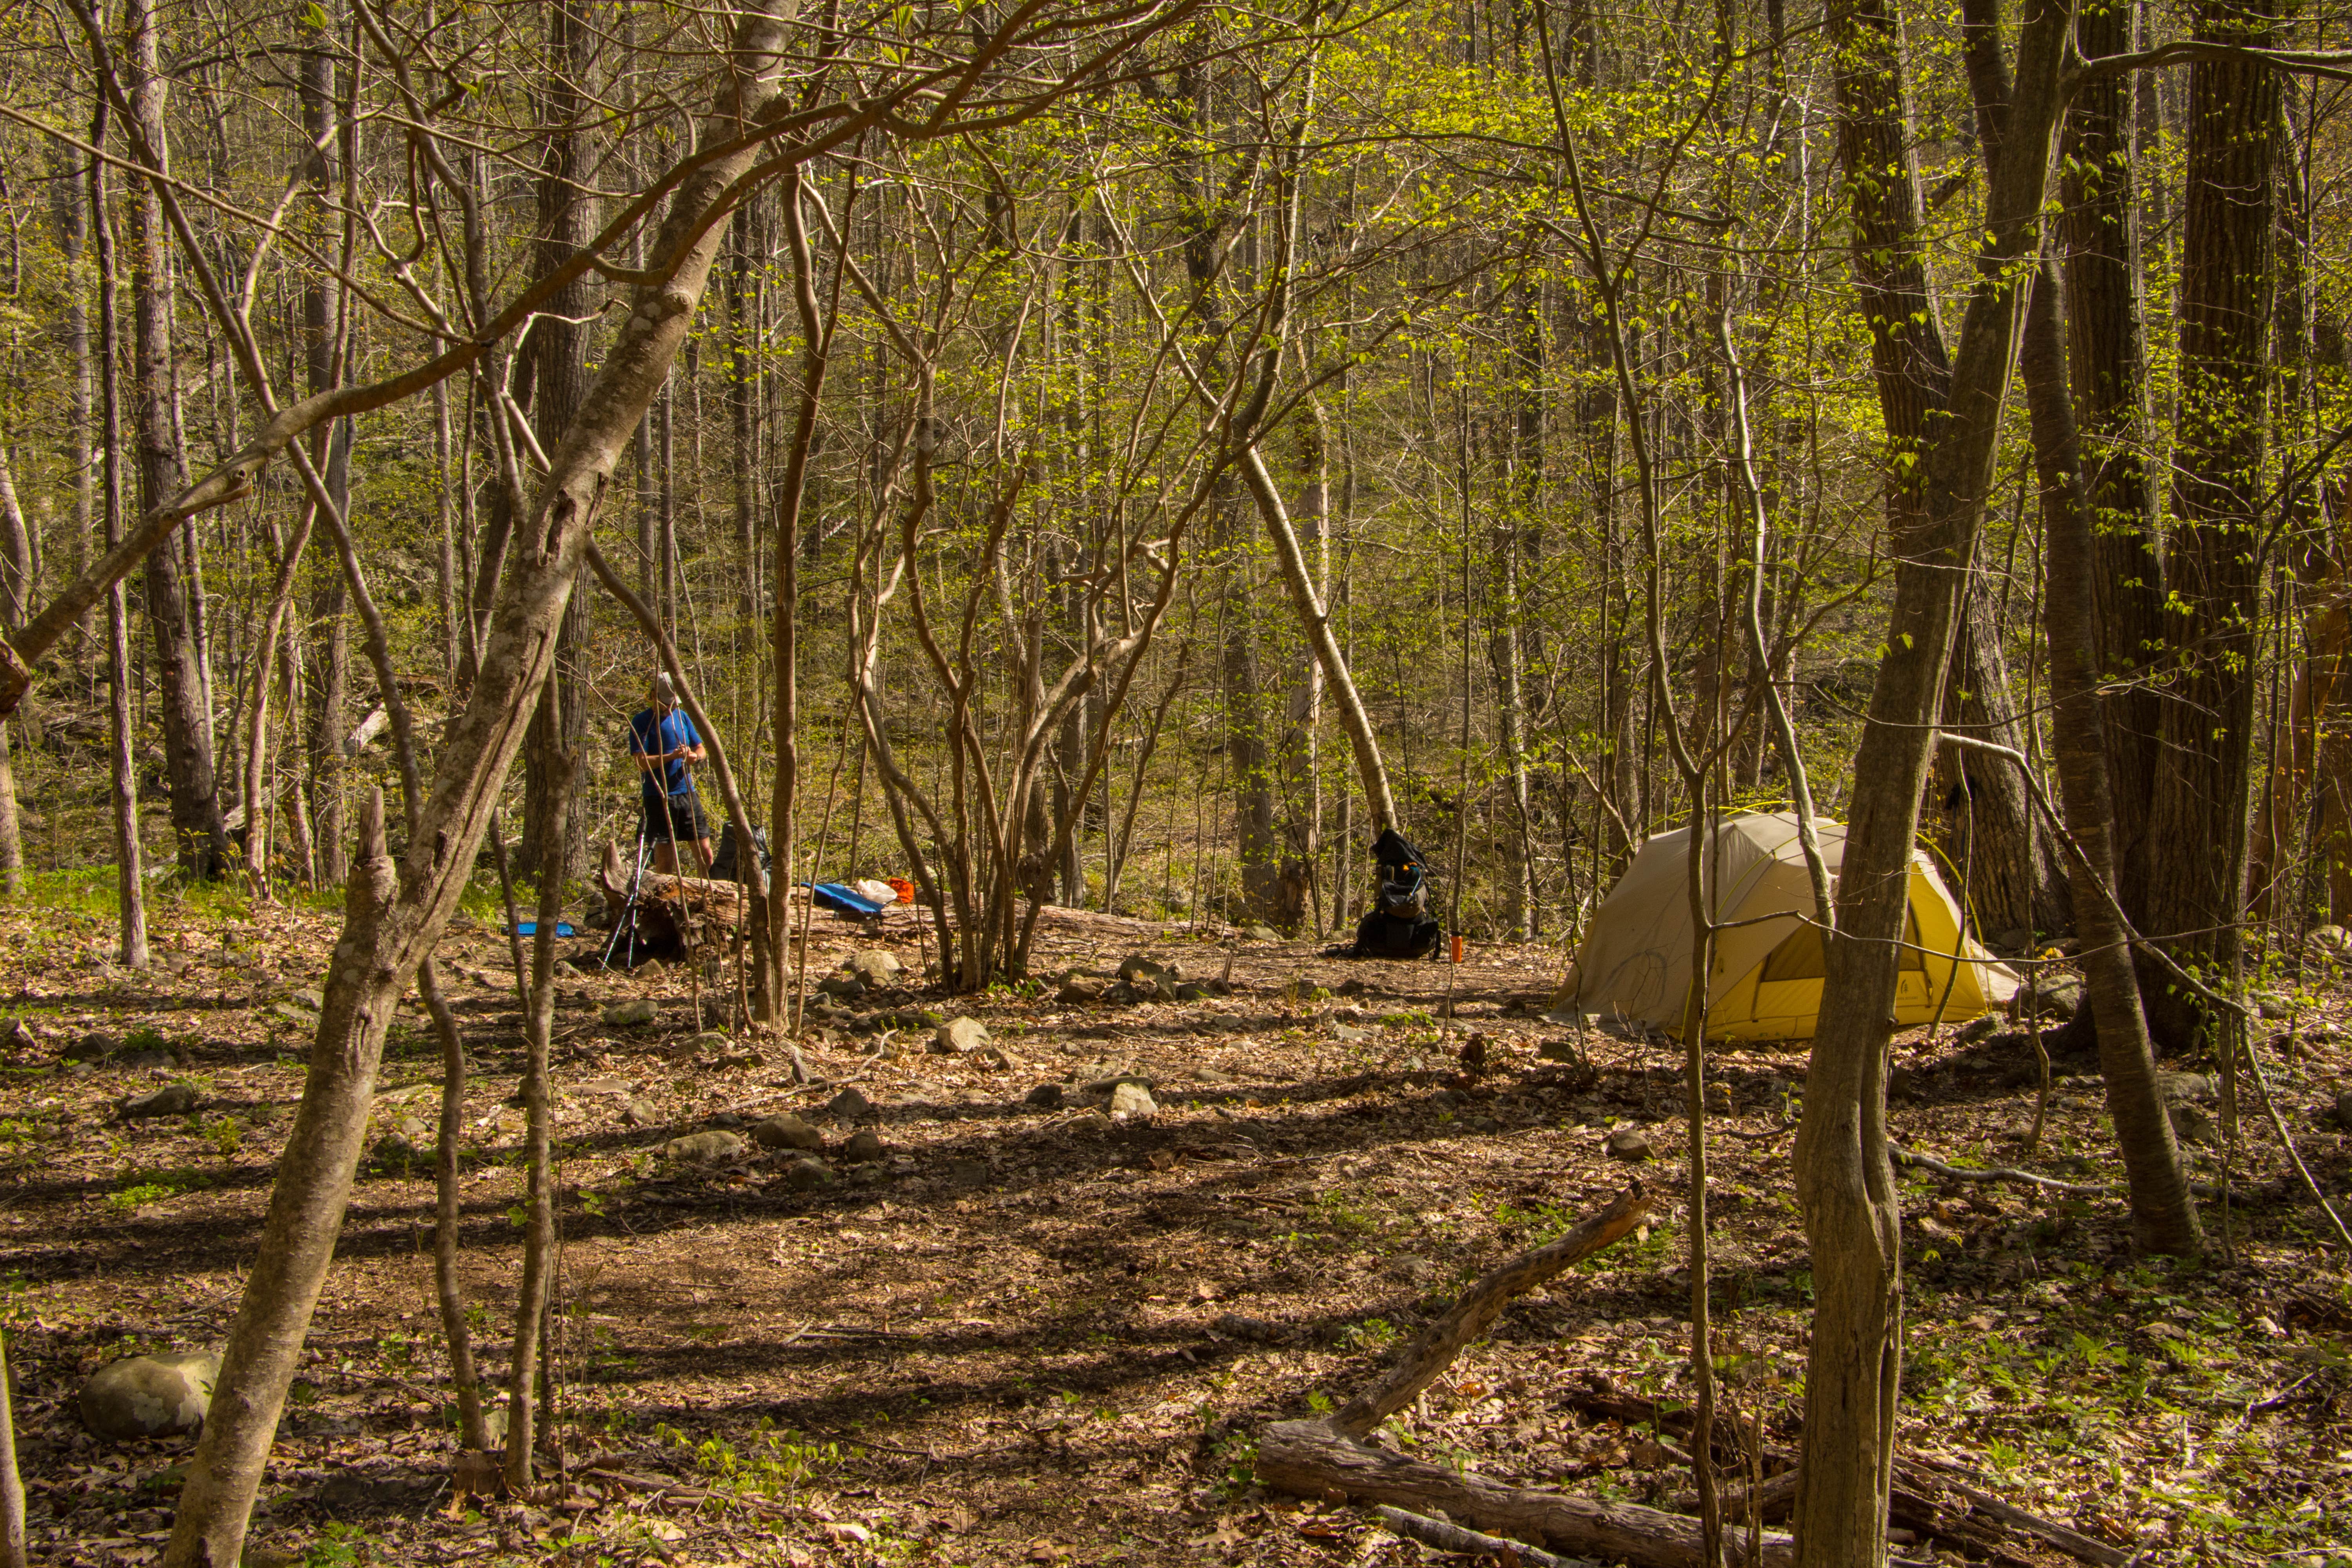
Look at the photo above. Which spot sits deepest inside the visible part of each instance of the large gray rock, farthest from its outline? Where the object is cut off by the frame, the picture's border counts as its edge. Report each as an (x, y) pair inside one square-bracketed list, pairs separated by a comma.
[(1133, 1099), (2060, 997), (850, 1105), (844, 987), (1143, 966), (2189, 1123), (633, 1013), (806, 1175), (959, 1036), (864, 1146), (1631, 1144), (2176, 1088), (2332, 940), (785, 1130), (876, 966), (170, 1099), (703, 1147), (149, 1395)]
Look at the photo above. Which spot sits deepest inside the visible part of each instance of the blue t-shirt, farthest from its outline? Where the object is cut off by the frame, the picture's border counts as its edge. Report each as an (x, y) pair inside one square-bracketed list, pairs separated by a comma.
[(648, 738)]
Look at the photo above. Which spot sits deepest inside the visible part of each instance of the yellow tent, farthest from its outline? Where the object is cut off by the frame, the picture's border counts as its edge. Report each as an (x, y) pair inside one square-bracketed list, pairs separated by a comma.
[(1766, 980)]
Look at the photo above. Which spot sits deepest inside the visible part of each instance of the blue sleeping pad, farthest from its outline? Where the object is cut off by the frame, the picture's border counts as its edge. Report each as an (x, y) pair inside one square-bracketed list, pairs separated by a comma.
[(844, 900)]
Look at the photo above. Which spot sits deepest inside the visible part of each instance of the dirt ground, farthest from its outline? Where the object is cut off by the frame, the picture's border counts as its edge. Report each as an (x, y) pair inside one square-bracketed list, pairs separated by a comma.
[(1034, 1334)]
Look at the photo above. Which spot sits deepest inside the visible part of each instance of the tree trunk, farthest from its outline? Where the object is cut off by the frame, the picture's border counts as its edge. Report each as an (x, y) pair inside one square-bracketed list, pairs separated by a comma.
[(200, 841), (559, 348), (12, 1485), (123, 771), (2164, 1216), (2107, 350), (323, 342), (2197, 811), (538, 1204), (16, 587), (1845, 1181)]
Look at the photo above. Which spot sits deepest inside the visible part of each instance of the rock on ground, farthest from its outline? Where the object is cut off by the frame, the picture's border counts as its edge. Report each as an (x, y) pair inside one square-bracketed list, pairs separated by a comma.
[(702, 1148), (631, 1014), (876, 966), (171, 1100), (785, 1130), (864, 1145), (1133, 1099), (149, 1395), (958, 1036), (850, 1105), (1629, 1144)]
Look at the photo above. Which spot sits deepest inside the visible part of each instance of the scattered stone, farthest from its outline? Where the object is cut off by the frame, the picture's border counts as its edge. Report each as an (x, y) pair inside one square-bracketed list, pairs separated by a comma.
[(1560, 1051), (2058, 999), (349, 1491), (1044, 1097), (2013, 942), (710, 1041), (806, 1175), (785, 1130), (877, 967), (1981, 1028), (1091, 1122), (2178, 1087), (1236, 1325), (958, 1036), (2331, 939), (1191, 992), (991, 1057), (1133, 1099), (865, 1146), (2274, 1006), (1260, 933), (1350, 1034), (1143, 966), (314, 1000), (149, 1395), (640, 1113), (2189, 1124), (1629, 1144), (170, 1099), (632, 1014), (1078, 992), (849, 1105), (143, 1061), (842, 987), (1902, 1083), (703, 1147)]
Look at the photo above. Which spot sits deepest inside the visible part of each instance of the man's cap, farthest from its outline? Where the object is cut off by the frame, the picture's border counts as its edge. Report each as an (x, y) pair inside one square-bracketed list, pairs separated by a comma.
[(664, 694)]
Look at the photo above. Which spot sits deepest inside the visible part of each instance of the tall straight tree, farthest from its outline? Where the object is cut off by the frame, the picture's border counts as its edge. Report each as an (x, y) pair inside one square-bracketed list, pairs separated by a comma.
[(130, 885), (200, 841), (325, 339), (1845, 1182), (2198, 805), (558, 347)]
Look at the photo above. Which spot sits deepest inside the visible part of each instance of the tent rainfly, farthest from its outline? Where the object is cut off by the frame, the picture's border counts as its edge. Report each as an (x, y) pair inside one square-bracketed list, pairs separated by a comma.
[(1767, 980)]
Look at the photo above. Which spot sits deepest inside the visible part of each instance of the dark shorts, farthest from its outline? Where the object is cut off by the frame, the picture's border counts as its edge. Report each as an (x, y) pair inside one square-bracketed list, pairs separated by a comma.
[(681, 822)]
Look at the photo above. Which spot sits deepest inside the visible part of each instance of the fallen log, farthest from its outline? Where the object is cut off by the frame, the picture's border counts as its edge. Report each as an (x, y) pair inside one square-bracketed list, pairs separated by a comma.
[(1310, 1458), (1434, 1348), (1330, 1459), (1452, 1538), (672, 912)]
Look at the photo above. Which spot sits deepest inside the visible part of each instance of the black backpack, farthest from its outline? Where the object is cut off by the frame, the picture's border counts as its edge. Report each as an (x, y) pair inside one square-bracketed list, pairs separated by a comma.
[(1397, 925)]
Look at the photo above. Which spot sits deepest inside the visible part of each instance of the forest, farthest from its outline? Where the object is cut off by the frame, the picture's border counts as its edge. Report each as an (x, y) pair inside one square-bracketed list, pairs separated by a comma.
[(1087, 780)]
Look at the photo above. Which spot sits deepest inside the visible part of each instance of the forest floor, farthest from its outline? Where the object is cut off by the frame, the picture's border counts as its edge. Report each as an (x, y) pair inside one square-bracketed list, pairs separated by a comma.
[(1038, 1335)]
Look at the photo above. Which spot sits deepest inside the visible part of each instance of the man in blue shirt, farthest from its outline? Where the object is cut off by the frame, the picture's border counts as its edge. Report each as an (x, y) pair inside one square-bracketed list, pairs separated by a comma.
[(663, 739)]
